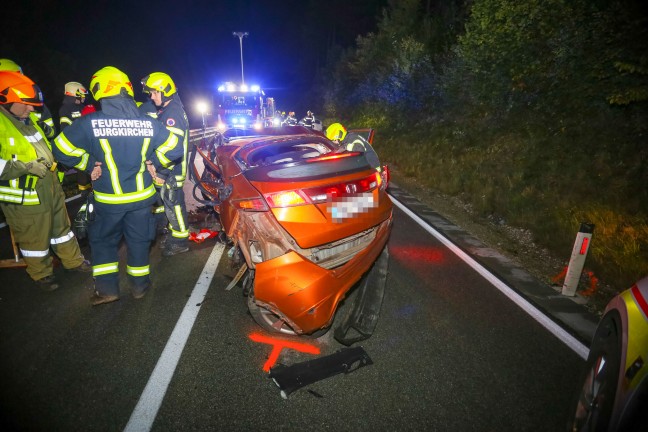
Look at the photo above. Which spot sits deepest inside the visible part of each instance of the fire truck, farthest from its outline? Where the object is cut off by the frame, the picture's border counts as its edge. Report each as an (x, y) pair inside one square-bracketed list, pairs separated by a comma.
[(243, 106)]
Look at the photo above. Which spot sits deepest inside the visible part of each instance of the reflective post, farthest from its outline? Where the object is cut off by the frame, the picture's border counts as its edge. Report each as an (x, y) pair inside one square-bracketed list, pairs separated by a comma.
[(577, 260)]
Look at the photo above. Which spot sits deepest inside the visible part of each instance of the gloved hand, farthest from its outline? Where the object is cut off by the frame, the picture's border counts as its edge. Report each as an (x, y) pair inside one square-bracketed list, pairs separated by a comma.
[(37, 167), (46, 128)]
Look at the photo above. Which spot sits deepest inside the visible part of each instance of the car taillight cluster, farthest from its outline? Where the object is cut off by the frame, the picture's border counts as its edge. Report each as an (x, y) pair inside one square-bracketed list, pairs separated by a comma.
[(315, 195)]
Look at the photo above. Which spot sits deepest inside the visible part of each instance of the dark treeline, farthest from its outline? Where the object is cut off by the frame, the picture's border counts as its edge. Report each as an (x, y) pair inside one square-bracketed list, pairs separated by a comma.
[(534, 111)]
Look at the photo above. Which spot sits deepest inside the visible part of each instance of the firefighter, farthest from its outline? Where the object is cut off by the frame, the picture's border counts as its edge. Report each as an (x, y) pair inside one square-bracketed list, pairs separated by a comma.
[(290, 119), (41, 114), (170, 112), (71, 109), (353, 142), (31, 196), (113, 145), (310, 117)]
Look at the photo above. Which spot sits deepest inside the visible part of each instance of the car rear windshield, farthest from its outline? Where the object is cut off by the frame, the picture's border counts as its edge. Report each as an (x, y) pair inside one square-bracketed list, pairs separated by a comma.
[(312, 169), (284, 150)]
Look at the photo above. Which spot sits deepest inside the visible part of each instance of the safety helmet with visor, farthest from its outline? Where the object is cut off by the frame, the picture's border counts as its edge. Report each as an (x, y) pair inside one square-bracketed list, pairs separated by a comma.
[(76, 90), (336, 132), (110, 81), (17, 88), (161, 82)]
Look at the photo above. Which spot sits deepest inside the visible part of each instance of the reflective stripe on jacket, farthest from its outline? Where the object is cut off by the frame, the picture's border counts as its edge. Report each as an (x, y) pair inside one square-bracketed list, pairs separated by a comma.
[(16, 146), (122, 145)]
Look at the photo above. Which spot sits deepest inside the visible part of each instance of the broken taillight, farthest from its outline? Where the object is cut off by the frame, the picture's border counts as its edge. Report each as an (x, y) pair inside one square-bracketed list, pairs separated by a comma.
[(286, 199), (251, 204)]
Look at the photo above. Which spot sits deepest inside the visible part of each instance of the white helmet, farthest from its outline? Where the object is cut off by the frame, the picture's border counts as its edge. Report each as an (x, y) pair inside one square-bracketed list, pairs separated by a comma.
[(75, 89)]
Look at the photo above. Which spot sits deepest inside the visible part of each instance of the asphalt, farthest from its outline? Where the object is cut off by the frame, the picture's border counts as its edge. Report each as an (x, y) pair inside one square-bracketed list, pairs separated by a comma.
[(568, 312)]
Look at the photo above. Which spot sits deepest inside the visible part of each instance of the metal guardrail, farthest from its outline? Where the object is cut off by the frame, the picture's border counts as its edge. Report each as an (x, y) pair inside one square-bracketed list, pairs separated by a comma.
[(197, 134)]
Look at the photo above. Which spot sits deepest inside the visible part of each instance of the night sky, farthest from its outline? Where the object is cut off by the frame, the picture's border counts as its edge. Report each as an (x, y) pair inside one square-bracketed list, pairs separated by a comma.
[(191, 40)]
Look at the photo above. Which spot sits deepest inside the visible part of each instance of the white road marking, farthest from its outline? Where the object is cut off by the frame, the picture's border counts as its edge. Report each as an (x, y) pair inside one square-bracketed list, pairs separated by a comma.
[(573, 343), (150, 401)]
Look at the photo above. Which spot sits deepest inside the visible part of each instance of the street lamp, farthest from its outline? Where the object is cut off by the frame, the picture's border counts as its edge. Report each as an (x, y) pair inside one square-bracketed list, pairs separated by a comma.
[(241, 35)]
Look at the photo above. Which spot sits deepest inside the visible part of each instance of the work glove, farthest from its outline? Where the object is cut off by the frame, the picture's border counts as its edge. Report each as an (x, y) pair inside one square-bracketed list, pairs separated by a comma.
[(37, 167), (47, 129)]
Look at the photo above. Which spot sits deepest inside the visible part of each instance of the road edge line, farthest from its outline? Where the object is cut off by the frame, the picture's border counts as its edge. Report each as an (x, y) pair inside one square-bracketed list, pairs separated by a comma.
[(574, 344)]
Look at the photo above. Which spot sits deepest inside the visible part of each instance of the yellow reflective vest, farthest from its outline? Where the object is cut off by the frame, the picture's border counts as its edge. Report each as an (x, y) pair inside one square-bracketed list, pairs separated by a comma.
[(16, 146)]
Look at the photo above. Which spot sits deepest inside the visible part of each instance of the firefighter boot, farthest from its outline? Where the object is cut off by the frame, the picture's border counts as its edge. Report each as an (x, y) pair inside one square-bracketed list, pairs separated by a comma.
[(98, 299)]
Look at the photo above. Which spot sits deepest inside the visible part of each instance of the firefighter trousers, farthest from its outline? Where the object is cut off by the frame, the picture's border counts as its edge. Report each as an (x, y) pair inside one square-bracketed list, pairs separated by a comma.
[(175, 209), (38, 228), (105, 232)]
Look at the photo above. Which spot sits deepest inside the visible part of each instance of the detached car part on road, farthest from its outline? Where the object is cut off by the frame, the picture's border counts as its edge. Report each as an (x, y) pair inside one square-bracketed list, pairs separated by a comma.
[(306, 217), (614, 396)]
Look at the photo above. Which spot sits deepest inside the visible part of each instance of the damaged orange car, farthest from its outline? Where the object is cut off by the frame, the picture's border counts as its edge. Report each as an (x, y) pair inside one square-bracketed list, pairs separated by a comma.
[(307, 220)]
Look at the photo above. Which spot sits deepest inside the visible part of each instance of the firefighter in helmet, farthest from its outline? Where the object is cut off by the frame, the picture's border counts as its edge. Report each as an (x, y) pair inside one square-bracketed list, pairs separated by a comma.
[(31, 196), (170, 112), (353, 142), (41, 114), (113, 145), (290, 119), (73, 103)]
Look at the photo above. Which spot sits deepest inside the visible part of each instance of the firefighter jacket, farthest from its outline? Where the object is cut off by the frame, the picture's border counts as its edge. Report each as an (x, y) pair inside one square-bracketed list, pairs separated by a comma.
[(69, 111), (20, 142), (174, 118), (122, 140)]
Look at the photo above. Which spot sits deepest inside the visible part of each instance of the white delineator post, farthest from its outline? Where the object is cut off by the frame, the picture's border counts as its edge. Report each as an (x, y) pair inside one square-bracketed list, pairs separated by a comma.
[(577, 260)]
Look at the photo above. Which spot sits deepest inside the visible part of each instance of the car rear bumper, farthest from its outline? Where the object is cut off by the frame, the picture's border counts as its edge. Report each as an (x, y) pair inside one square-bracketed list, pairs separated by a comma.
[(305, 294)]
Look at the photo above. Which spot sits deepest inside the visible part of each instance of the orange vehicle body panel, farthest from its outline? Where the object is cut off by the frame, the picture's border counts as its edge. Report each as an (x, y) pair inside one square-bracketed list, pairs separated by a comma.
[(308, 293)]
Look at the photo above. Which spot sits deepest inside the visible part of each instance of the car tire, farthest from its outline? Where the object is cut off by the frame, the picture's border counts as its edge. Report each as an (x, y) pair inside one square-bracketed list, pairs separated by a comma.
[(594, 406)]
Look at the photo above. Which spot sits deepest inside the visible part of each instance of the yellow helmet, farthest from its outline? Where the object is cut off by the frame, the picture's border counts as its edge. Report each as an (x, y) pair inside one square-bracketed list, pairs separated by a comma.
[(109, 81), (336, 132), (9, 65), (159, 81), (75, 89)]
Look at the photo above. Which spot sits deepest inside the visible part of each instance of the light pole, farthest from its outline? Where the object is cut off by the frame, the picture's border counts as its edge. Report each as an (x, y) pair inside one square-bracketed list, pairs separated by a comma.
[(241, 35)]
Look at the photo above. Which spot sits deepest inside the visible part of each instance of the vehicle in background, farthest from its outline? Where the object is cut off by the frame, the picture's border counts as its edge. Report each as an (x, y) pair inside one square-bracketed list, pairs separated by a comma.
[(614, 395), (243, 106), (307, 220)]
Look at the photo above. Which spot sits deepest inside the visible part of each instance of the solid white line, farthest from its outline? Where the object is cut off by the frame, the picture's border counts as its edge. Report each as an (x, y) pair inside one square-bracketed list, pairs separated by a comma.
[(150, 401), (546, 322)]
